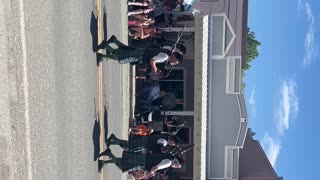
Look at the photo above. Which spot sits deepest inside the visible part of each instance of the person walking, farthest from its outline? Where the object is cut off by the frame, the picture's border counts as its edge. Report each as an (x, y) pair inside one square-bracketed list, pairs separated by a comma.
[(127, 54), (152, 143), (150, 162)]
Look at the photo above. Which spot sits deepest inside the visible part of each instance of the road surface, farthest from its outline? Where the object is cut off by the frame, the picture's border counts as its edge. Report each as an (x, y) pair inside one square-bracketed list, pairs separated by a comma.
[(49, 85)]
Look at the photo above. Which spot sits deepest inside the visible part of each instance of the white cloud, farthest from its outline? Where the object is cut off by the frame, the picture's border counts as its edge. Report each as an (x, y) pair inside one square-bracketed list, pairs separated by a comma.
[(288, 104), (252, 99), (309, 45), (272, 148), (252, 106), (299, 7)]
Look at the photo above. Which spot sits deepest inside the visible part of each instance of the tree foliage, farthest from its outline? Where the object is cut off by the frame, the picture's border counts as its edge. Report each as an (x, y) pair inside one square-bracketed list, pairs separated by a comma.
[(251, 54), (251, 132), (252, 48)]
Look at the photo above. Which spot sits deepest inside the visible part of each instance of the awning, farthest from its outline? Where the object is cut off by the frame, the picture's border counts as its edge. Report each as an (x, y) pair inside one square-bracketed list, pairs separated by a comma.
[(200, 96)]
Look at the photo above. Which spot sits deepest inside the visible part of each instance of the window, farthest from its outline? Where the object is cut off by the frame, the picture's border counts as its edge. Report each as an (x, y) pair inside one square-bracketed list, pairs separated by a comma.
[(233, 76), (184, 135), (175, 83), (228, 36), (222, 35)]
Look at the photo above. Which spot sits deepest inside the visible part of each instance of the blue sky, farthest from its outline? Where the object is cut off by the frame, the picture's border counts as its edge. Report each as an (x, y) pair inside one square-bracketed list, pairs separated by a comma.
[(282, 85)]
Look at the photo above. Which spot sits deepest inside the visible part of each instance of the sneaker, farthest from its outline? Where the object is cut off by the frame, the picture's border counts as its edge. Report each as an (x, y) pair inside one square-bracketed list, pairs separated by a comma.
[(108, 141), (105, 153), (100, 165), (98, 59), (112, 136), (111, 39), (102, 45)]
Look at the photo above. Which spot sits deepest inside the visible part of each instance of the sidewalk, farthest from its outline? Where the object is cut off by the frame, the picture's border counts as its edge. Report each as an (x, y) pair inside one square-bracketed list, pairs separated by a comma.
[(117, 25)]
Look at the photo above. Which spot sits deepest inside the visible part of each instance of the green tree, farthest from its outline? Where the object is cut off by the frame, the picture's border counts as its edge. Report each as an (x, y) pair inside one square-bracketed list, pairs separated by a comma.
[(252, 48), (251, 53)]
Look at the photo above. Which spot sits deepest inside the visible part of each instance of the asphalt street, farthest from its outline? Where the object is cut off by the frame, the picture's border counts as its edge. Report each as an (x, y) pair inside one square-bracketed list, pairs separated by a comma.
[(49, 88)]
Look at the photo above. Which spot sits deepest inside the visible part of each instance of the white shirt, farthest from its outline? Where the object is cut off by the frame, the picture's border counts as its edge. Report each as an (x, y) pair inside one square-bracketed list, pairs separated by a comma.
[(162, 141), (164, 164), (169, 48), (160, 58)]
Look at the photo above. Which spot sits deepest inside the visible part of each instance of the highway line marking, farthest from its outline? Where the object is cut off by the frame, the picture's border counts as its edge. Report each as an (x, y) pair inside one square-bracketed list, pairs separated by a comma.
[(100, 90), (25, 90)]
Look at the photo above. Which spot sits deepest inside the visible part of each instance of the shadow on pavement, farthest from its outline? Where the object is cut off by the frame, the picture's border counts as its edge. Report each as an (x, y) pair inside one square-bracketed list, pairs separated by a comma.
[(105, 123), (94, 31), (96, 134), (96, 139), (104, 25)]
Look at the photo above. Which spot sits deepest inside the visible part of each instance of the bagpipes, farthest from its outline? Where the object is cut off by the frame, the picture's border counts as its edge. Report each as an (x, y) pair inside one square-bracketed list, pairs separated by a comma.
[(166, 68), (178, 128), (176, 151)]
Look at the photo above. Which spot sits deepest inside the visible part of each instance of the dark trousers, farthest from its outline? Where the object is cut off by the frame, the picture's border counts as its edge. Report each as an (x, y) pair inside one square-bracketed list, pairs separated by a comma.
[(106, 44), (128, 161), (135, 143), (123, 54), (115, 160), (113, 140)]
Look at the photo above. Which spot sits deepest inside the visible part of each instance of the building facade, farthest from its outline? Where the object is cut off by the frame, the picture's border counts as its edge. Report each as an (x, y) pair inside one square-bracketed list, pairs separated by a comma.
[(208, 86)]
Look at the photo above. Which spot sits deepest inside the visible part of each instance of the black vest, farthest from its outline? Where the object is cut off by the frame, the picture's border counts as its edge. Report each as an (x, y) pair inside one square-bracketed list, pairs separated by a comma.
[(152, 142)]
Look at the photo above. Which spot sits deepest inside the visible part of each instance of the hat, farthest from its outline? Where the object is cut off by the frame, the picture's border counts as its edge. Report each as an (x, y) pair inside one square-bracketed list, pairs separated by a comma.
[(182, 48)]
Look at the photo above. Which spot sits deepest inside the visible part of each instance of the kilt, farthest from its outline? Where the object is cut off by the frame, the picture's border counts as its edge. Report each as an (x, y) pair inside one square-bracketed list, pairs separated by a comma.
[(132, 161), (143, 43), (137, 143), (127, 55)]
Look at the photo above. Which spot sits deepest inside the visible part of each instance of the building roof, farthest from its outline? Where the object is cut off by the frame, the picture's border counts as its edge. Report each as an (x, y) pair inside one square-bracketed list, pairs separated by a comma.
[(244, 34), (254, 164)]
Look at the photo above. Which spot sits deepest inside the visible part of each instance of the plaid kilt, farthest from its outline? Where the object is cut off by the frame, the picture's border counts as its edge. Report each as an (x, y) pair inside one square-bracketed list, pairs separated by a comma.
[(137, 143), (130, 55), (144, 43), (132, 161)]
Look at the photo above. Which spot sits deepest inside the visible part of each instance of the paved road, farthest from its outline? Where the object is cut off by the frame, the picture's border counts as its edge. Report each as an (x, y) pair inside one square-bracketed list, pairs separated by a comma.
[(49, 90), (118, 111)]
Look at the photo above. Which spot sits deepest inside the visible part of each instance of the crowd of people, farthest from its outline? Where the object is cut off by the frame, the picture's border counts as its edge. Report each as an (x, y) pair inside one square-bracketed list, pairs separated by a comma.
[(150, 151), (144, 156), (145, 16)]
